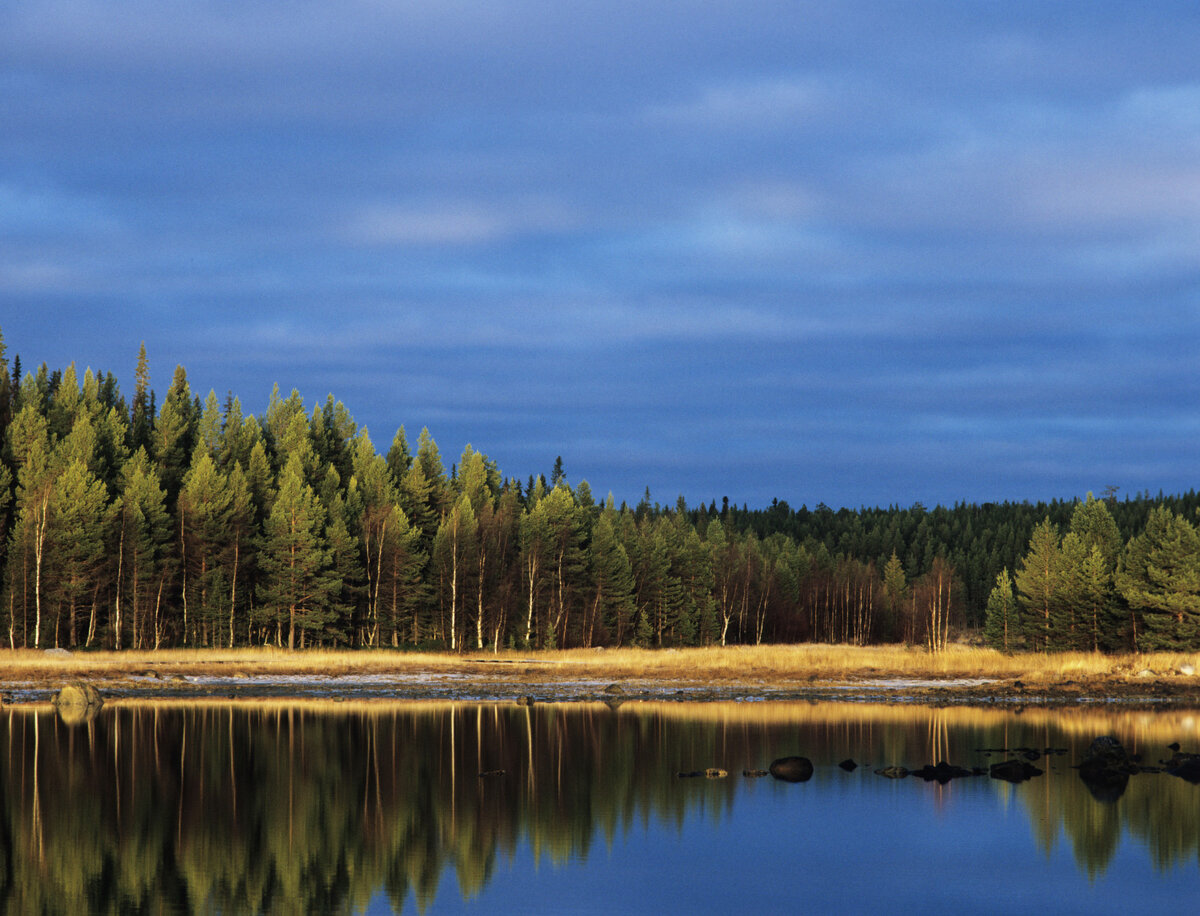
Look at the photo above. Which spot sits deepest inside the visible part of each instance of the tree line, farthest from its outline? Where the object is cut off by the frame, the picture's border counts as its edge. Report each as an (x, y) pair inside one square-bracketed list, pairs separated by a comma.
[(130, 524)]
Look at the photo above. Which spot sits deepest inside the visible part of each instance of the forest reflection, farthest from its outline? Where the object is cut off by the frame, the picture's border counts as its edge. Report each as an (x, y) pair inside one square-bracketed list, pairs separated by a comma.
[(320, 807)]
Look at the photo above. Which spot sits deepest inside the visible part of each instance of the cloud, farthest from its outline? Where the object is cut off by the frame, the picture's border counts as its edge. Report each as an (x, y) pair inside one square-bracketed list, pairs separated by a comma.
[(770, 104)]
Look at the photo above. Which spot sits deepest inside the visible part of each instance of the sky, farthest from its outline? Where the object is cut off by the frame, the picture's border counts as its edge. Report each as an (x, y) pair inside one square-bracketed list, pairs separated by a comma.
[(845, 252)]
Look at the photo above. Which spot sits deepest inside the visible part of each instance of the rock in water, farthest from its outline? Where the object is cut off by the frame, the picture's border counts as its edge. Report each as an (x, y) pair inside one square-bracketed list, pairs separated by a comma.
[(1188, 769), (78, 702), (1106, 769), (792, 769), (1014, 770), (941, 773)]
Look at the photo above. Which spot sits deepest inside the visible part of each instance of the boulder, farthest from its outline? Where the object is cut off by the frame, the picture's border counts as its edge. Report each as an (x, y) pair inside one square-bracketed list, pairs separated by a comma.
[(58, 653), (792, 769), (848, 765), (1106, 769), (77, 702)]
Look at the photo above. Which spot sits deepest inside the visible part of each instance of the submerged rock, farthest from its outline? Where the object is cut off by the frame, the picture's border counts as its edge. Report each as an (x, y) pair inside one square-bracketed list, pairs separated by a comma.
[(892, 772), (755, 773), (487, 773), (792, 769), (715, 773)]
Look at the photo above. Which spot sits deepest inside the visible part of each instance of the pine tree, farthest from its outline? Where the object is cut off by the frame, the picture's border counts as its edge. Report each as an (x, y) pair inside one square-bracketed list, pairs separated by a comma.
[(454, 550), (142, 534), (399, 459), (28, 550), (1160, 580), (1037, 581), (342, 511), (205, 549), (895, 591), (611, 608), (564, 523), (175, 434), (535, 539), (79, 512), (1002, 625), (724, 565), (210, 430), (296, 582)]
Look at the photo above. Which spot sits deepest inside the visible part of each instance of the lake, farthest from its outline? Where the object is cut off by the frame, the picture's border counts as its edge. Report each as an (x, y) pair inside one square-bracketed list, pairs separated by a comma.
[(376, 807)]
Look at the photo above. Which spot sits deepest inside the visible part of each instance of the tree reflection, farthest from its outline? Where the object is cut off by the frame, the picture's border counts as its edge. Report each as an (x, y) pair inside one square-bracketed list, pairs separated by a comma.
[(317, 807)]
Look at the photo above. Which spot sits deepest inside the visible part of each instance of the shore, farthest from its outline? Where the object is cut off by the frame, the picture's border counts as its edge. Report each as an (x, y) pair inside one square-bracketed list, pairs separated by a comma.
[(958, 675)]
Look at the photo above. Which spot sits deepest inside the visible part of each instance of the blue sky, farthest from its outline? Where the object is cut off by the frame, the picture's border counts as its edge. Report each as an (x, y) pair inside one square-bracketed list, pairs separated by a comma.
[(851, 252)]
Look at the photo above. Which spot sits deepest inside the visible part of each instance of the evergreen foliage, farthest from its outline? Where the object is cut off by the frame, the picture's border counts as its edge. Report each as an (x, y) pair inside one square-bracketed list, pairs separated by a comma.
[(199, 524)]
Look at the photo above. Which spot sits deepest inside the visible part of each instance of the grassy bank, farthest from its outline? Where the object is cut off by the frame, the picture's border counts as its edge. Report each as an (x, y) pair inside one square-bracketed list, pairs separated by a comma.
[(780, 664)]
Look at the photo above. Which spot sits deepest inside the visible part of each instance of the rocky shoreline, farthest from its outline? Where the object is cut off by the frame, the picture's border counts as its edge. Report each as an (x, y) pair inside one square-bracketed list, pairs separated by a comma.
[(474, 683)]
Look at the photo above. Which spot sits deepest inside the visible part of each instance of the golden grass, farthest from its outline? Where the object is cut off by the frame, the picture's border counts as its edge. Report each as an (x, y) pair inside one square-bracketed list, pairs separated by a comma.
[(826, 662), (791, 663)]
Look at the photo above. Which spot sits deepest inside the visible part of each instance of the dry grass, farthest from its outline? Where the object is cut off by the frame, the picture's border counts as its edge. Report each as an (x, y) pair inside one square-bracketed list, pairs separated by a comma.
[(803, 662), (786, 664)]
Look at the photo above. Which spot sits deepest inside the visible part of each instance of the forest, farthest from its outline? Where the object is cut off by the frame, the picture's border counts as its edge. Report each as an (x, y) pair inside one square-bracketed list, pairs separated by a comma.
[(125, 523)]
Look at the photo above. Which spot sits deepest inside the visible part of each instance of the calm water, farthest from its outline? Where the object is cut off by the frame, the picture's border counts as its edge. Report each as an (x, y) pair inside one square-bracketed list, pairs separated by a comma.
[(329, 808)]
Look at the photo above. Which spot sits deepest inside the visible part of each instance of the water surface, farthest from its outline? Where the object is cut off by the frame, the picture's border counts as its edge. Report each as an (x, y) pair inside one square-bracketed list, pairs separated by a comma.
[(438, 807)]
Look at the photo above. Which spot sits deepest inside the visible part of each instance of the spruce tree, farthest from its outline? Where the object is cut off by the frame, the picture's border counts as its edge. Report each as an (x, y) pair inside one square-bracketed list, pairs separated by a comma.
[(141, 420), (399, 459)]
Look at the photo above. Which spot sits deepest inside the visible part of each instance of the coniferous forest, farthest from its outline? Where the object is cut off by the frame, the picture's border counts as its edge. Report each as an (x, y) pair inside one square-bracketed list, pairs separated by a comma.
[(126, 523)]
